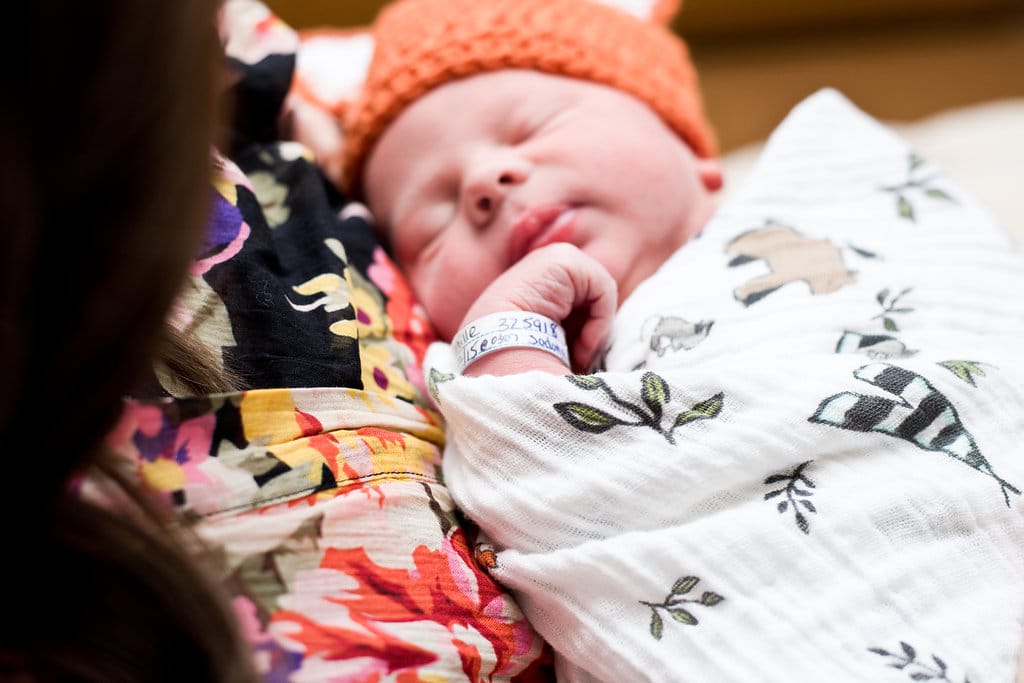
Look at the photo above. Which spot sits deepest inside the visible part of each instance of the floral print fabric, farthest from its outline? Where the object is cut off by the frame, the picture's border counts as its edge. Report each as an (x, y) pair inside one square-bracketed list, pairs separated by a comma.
[(345, 551), (317, 486)]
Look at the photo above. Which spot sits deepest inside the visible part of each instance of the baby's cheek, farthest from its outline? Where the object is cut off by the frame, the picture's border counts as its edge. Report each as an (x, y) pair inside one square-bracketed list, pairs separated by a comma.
[(448, 322), (448, 280), (442, 299)]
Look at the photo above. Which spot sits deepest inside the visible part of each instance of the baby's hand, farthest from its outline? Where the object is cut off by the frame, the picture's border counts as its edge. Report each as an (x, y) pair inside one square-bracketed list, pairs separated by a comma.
[(558, 281)]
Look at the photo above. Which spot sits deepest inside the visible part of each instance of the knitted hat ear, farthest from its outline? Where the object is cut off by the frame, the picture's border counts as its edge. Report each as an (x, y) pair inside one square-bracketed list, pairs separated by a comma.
[(332, 63), (330, 68), (250, 31), (654, 11)]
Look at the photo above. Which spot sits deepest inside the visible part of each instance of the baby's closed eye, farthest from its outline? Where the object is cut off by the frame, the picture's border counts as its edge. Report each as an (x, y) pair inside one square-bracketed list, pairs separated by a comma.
[(527, 121), (418, 235)]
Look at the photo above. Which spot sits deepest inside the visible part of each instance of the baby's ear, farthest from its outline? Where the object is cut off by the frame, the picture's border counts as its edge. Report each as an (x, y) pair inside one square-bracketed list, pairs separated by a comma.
[(330, 69), (654, 11)]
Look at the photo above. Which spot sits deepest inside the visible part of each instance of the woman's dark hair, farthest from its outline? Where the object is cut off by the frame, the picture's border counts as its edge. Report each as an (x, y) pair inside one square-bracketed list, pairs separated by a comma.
[(106, 128)]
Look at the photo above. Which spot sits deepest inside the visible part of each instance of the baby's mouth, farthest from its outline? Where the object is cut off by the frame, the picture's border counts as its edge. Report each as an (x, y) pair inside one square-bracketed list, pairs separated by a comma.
[(540, 226)]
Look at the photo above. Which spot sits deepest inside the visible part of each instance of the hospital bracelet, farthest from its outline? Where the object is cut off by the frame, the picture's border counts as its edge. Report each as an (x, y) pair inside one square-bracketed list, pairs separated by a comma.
[(508, 330)]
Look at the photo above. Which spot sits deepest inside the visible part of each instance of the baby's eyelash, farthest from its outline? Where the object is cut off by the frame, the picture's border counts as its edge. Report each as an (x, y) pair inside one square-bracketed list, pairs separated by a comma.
[(525, 126), (522, 132), (539, 121)]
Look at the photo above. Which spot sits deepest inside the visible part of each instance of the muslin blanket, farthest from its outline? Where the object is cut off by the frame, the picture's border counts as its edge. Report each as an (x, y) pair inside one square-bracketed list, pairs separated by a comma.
[(804, 459)]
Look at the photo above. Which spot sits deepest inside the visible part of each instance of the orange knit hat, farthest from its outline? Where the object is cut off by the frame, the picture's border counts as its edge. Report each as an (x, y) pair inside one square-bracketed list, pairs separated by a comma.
[(421, 44)]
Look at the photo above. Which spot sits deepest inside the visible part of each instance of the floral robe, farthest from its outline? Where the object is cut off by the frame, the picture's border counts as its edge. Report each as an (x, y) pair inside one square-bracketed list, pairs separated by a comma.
[(319, 485)]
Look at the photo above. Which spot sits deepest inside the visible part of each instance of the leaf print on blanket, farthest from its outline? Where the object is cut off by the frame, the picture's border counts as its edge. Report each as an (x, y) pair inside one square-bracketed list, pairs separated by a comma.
[(922, 416), (672, 605), (966, 370), (654, 394), (917, 669), (796, 497), (915, 183), (435, 378)]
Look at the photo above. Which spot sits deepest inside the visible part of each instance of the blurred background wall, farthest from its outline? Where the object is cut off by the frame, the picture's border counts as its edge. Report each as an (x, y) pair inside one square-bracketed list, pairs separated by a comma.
[(899, 60)]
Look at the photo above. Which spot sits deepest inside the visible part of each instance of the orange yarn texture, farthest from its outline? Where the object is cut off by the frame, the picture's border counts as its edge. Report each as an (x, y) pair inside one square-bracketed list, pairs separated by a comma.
[(422, 44)]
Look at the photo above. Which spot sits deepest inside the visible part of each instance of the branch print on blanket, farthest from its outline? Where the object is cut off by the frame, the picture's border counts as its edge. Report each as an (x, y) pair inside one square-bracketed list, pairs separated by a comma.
[(672, 606), (915, 182), (922, 415), (917, 669), (796, 497), (890, 307), (654, 394)]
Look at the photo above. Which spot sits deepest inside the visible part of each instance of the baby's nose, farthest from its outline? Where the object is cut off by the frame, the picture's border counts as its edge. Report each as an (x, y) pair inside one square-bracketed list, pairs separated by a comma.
[(488, 193), (488, 186)]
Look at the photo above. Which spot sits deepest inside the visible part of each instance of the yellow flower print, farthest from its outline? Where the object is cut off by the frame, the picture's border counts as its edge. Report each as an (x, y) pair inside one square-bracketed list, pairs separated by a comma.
[(382, 371), (338, 293), (163, 475), (271, 195), (227, 189), (334, 290), (345, 328), (369, 307), (384, 361)]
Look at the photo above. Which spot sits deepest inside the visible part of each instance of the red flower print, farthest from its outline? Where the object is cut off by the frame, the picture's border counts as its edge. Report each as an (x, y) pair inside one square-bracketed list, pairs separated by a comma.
[(446, 587)]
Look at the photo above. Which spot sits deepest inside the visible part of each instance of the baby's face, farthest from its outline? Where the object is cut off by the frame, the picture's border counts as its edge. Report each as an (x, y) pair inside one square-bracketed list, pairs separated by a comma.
[(482, 170)]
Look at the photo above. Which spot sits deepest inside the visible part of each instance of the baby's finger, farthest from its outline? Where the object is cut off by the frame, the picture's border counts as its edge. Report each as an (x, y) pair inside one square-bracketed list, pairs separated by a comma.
[(593, 313)]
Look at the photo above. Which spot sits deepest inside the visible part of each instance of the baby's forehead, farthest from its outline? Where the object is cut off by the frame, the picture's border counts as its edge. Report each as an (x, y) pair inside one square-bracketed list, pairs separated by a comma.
[(490, 93), (449, 116), (484, 104)]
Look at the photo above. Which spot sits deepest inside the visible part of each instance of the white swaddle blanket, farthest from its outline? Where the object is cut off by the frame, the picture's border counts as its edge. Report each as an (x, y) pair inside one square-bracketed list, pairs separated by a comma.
[(805, 459)]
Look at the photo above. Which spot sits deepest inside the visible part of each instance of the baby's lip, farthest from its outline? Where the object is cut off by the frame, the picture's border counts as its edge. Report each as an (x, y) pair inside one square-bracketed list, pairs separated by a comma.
[(540, 226)]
